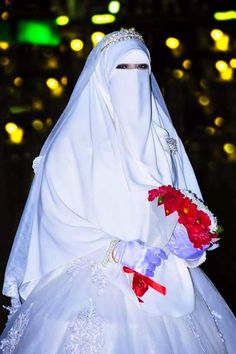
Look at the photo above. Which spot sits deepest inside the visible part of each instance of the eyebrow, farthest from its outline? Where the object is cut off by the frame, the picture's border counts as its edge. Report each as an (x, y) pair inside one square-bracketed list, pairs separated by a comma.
[(132, 66)]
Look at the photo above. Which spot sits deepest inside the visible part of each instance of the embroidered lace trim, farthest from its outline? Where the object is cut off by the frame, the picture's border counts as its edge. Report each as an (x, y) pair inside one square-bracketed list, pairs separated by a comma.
[(97, 276), (15, 305), (9, 344), (86, 332), (36, 162)]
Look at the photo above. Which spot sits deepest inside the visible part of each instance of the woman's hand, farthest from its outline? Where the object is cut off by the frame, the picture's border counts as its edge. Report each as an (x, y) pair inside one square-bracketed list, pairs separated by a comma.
[(182, 247), (139, 257)]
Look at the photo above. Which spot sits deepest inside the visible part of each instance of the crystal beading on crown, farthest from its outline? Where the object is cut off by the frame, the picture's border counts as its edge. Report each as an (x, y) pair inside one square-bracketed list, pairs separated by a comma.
[(121, 35)]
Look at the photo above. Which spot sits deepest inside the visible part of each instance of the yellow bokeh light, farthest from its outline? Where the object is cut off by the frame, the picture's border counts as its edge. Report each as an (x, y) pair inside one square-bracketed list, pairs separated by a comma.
[(227, 74), (102, 19), (4, 45), (222, 43), (5, 16), (58, 91), (216, 34), (229, 148), (37, 124), (225, 15), (76, 45), (219, 121), (52, 83), (177, 73), (37, 105), (210, 130), (172, 43), (62, 20), (204, 100), (53, 63), (17, 136), (11, 127), (4, 61), (15, 133), (114, 7), (18, 81), (48, 122), (64, 80), (187, 64), (97, 37), (232, 63), (221, 65)]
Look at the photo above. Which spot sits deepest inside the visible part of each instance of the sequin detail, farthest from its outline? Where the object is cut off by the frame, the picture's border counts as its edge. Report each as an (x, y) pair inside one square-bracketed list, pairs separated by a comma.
[(9, 344), (86, 332), (121, 35), (172, 145), (215, 317), (97, 275), (193, 328)]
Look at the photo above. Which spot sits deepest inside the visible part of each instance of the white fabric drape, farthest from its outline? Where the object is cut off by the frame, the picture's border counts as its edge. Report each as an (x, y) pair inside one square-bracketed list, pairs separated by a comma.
[(107, 149)]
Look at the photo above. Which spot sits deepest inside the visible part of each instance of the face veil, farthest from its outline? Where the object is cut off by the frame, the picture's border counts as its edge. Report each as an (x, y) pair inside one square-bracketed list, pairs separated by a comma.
[(107, 149)]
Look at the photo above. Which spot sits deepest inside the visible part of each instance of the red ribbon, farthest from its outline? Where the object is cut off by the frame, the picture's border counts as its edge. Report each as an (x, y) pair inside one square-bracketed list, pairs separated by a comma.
[(141, 283)]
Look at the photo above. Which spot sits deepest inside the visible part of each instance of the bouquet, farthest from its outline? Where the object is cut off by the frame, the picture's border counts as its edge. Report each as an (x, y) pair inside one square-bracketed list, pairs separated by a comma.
[(198, 220), (200, 223)]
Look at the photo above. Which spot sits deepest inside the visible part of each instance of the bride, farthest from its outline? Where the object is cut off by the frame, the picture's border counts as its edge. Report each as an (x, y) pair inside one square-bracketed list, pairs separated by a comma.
[(87, 216)]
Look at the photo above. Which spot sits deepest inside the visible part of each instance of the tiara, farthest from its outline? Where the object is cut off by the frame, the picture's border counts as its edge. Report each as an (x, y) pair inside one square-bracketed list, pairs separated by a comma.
[(121, 35)]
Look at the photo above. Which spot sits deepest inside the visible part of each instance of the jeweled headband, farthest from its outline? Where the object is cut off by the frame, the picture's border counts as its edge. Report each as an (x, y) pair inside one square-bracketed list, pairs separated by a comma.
[(121, 35)]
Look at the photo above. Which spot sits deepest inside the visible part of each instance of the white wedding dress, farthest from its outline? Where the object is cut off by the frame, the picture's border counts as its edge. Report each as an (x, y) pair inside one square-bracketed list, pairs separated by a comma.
[(113, 143), (77, 310)]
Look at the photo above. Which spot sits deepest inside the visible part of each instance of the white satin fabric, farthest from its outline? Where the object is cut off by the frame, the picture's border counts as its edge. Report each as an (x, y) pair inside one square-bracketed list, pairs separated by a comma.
[(108, 148)]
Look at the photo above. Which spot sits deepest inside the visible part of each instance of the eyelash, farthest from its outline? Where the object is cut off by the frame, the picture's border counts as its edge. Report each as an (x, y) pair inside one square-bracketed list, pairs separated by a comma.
[(139, 66)]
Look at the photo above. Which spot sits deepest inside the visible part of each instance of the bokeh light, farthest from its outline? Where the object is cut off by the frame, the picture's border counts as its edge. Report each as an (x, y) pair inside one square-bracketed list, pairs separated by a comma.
[(204, 100), (18, 81), (76, 45), (52, 83), (15, 132), (221, 65), (232, 63), (114, 7), (229, 148), (172, 43), (219, 121), (187, 64), (5, 15), (97, 37), (216, 34), (37, 124), (4, 45), (178, 73), (103, 19), (11, 127), (62, 20)]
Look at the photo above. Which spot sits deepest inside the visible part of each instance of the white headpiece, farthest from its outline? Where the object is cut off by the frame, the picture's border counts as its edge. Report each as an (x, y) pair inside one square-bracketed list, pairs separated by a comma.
[(121, 35), (108, 148)]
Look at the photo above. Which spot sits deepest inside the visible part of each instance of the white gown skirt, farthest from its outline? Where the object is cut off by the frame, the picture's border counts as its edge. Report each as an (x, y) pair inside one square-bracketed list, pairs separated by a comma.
[(77, 310)]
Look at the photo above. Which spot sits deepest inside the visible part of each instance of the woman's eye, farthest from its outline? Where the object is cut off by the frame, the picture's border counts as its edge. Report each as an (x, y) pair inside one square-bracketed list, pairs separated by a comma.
[(143, 66), (122, 66)]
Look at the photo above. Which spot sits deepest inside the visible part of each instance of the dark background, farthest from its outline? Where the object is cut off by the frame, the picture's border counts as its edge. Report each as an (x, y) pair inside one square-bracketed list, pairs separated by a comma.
[(196, 94)]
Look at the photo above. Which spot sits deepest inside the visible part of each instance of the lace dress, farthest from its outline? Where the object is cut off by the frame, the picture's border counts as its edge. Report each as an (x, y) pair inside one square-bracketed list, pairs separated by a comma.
[(77, 310)]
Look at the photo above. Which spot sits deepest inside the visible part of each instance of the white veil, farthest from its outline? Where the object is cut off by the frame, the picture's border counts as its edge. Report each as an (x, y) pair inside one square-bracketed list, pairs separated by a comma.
[(75, 162)]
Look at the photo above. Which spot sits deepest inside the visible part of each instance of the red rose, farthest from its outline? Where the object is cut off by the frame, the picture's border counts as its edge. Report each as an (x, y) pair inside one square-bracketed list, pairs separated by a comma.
[(153, 194), (139, 285)]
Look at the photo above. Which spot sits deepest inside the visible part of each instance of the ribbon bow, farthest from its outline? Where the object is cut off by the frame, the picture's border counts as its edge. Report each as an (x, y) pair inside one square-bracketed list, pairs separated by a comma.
[(141, 283)]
